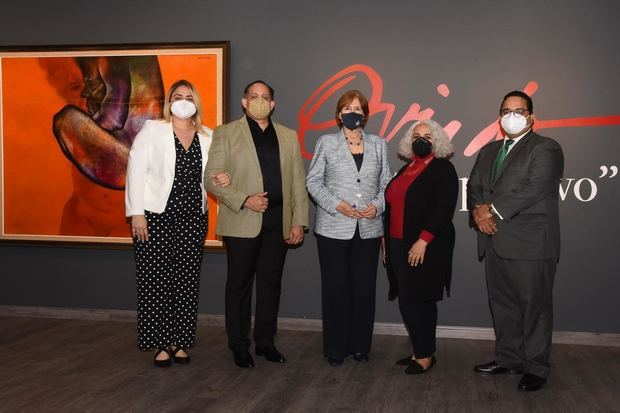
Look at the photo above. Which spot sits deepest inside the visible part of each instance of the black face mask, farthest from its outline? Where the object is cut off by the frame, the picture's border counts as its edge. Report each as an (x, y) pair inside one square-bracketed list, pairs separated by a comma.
[(421, 147), (352, 120)]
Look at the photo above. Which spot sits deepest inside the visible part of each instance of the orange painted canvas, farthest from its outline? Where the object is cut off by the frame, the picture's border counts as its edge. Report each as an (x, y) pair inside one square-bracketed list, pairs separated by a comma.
[(68, 118)]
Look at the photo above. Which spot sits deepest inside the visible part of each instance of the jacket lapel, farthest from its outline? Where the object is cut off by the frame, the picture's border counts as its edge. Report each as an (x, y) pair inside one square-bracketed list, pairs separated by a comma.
[(514, 152), (204, 148), (246, 135), (345, 153), (488, 161), (170, 153), (281, 148), (369, 154)]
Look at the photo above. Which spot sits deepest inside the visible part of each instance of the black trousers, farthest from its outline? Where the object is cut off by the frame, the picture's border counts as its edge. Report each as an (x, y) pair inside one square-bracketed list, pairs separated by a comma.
[(521, 301), (420, 318), (348, 284), (264, 256)]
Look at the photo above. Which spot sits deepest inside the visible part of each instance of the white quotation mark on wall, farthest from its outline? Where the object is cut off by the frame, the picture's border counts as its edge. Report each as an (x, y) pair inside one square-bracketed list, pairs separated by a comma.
[(585, 189), (608, 172), (582, 189)]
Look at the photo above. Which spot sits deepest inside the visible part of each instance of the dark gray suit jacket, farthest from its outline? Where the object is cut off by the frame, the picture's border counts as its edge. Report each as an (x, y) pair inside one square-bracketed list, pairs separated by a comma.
[(525, 194)]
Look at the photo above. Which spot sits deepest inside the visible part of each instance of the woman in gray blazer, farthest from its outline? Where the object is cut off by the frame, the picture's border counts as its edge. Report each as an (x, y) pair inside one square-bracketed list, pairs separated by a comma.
[(347, 178)]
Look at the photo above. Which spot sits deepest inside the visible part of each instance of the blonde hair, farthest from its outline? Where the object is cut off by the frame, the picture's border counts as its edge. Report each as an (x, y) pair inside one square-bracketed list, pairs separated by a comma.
[(442, 147), (197, 118)]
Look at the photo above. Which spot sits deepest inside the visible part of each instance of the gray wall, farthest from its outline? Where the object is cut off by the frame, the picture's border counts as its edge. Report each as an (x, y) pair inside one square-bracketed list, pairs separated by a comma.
[(480, 49)]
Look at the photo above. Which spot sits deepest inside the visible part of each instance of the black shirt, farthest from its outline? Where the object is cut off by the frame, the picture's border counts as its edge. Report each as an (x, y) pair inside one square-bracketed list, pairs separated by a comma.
[(358, 158), (268, 152)]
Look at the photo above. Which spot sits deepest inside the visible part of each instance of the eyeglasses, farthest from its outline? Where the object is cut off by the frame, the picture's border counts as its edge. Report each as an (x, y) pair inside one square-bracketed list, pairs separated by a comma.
[(517, 112), (255, 96)]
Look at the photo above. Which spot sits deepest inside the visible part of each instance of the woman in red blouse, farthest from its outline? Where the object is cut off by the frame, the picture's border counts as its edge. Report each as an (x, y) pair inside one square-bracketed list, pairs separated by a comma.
[(419, 236)]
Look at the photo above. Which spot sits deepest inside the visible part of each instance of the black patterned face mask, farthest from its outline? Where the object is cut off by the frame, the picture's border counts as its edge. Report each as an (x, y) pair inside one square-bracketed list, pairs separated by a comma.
[(352, 120)]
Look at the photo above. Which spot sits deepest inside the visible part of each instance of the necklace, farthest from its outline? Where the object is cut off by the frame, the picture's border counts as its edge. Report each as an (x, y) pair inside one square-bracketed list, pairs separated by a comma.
[(352, 143)]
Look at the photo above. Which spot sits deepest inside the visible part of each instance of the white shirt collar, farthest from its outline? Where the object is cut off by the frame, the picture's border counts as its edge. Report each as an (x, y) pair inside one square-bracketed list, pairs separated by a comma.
[(516, 140)]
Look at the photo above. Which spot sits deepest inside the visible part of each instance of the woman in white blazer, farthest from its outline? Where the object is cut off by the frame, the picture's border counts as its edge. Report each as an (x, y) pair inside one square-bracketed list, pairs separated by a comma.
[(166, 200), (347, 178)]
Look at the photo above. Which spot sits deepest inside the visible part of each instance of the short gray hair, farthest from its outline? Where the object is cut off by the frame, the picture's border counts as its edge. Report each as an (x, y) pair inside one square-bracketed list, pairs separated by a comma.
[(442, 147)]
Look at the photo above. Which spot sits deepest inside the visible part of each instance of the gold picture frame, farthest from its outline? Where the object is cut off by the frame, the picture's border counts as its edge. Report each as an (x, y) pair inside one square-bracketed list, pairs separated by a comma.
[(52, 191)]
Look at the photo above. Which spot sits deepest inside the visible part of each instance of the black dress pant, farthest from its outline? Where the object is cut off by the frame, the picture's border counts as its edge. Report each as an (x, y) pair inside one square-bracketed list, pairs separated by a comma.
[(419, 317), (348, 284), (521, 301), (264, 256)]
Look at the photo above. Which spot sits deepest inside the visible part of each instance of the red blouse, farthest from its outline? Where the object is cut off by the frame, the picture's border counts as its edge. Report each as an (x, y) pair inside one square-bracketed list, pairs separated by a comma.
[(396, 192)]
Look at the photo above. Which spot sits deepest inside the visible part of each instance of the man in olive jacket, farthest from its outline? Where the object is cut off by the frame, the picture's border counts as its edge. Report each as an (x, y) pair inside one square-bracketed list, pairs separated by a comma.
[(264, 208)]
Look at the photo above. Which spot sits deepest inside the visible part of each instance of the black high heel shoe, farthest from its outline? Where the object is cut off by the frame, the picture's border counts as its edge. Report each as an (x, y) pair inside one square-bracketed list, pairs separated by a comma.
[(180, 360), (416, 368), (163, 363), (405, 361)]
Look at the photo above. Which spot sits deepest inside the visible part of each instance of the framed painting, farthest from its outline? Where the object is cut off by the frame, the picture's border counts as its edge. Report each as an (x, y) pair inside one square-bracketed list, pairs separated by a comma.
[(68, 116)]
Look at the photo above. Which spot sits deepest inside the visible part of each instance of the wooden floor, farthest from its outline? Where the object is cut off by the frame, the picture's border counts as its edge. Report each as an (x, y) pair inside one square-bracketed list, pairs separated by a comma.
[(59, 366)]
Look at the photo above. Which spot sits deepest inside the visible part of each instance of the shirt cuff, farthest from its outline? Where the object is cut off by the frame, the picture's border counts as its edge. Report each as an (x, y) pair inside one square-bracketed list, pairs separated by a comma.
[(496, 212), (426, 236)]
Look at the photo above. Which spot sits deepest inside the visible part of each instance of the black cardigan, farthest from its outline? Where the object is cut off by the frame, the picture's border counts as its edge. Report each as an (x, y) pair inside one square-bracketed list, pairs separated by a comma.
[(430, 203)]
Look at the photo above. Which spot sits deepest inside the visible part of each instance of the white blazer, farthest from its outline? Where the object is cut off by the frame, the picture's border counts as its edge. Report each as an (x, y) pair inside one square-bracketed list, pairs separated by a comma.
[(150, 168)]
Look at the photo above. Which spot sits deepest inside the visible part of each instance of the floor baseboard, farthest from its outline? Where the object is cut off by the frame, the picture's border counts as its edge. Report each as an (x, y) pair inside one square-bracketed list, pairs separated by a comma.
[(304, 324)]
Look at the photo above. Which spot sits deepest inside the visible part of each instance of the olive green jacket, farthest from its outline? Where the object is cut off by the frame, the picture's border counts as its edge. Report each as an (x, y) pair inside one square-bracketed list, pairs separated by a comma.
[(232, 150)]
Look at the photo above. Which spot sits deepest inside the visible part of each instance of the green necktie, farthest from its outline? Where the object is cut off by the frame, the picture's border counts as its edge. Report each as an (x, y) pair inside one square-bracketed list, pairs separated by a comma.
[(500, 157)]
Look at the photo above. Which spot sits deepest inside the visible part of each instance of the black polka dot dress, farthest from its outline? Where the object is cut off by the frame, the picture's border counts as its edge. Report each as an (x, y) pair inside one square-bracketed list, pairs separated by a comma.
[(168, 264)]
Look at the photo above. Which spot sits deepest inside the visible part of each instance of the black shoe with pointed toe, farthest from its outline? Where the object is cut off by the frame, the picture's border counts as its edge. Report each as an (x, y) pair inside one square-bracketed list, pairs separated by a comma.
[(494, 368), (531, 382), (271, 353), (415, 368), (243, 359)]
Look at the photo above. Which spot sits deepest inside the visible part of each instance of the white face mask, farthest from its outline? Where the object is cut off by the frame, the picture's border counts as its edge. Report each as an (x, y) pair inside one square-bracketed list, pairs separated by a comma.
[(183, 109), (513, 124)]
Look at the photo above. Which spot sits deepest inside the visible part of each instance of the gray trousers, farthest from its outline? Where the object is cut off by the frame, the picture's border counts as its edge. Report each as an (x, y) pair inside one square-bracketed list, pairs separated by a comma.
[(521, 301)]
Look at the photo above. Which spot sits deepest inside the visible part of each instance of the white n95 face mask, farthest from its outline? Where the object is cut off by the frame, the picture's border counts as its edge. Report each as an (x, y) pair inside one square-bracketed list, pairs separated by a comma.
[(183, 109), (513, 124)]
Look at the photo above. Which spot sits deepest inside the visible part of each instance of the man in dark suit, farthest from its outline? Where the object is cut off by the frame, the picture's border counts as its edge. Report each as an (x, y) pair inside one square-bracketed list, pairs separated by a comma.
[(512, 193)]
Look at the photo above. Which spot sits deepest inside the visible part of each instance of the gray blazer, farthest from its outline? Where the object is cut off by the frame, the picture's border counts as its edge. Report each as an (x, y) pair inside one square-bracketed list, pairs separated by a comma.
[(333, 177), (525, 194)]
